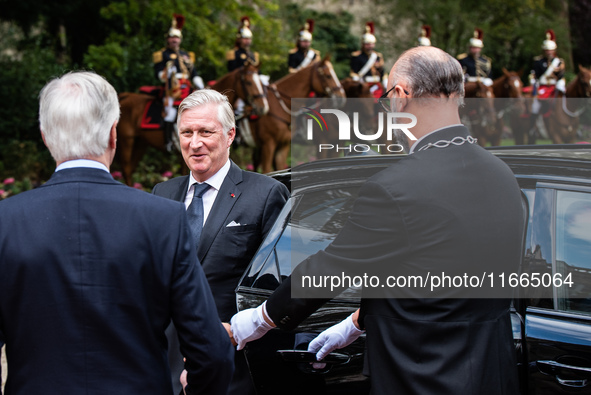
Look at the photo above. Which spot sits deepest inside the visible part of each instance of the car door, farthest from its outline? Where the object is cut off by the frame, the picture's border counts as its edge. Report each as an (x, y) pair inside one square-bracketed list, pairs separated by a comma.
[(309, 222), (558, 325)]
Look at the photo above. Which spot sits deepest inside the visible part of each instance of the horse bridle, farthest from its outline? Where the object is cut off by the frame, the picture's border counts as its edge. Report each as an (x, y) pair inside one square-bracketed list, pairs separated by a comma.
[(249, 98), (331, 92)]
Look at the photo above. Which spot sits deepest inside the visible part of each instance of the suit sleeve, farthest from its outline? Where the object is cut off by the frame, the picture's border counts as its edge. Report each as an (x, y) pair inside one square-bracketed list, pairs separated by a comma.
[(374, 233), (203, 340)]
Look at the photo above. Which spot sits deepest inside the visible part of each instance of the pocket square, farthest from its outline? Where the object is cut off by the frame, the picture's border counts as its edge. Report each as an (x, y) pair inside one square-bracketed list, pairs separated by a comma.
[(233, 223)]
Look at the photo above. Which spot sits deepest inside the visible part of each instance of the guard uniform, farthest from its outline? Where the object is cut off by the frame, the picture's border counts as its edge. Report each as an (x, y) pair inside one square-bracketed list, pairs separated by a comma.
[(476, 67), (237, 56), (183, 61), (367, 65)]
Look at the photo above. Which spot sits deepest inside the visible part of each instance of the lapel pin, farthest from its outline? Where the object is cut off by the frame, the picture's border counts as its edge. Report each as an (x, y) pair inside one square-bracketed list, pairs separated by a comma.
[(232, 195)]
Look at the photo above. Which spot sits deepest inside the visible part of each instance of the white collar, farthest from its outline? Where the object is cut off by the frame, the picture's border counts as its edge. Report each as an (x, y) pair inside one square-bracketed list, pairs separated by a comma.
[(70, 164), (216, 180)]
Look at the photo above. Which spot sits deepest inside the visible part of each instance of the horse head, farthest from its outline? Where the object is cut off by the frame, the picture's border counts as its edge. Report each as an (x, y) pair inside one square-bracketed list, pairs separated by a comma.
[(512, 84), (253, 92), (324, 80), (584, 80)]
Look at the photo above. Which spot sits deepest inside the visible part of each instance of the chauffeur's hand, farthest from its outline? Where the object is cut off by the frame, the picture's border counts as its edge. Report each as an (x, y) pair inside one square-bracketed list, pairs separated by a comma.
[(337, 336), (250, 324)]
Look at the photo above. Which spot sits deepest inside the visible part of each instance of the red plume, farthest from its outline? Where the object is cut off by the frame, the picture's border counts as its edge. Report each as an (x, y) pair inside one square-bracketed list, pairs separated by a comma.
[(427, 31), (478, 33), (180, 21), (371, 27), (245, 21), (310, 23), (550, 35)]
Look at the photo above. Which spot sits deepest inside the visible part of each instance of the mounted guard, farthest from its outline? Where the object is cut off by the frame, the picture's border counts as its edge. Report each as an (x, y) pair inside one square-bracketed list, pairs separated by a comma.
[(303, 55), (367, 64), (548, 70), (175, 68), (476, 66), (241, 53)]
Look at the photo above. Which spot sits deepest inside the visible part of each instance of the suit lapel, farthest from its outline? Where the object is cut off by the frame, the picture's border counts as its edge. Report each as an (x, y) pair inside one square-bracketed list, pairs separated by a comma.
[(227, 197), (181, 193)]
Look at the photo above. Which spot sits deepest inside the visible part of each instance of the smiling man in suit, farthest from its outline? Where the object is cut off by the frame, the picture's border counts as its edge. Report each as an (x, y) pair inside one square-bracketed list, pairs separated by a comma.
[(238, 207), (89, 280)]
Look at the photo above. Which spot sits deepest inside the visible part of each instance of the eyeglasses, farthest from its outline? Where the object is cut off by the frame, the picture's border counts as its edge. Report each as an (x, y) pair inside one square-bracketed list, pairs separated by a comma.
[(386, 102)]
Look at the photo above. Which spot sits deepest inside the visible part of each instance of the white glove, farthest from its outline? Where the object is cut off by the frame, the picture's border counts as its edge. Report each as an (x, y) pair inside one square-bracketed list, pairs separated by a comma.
[(337, 336), (487, 81), (249, 325)]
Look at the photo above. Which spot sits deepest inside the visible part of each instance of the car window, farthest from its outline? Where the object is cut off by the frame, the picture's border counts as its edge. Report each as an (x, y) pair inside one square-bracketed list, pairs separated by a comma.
[(316, 218), (315, 222), (573, 250)]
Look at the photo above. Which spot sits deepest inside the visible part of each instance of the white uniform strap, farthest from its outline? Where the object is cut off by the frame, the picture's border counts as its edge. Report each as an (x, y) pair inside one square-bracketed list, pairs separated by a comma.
[(370, 62), (307, 59)]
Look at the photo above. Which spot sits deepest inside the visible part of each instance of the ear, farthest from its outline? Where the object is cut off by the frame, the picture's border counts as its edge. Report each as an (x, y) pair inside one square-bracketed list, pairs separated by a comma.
[(506, 72), (231, 136), (113, 136), (43, 137)]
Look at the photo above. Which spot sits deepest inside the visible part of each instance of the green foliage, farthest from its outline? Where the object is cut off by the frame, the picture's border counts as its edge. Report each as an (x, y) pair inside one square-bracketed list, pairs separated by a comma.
[(513, 29)]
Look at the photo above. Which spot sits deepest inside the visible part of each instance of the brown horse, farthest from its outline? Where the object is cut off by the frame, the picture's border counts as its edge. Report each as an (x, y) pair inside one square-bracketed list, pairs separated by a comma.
[(366, 109), (133, 140), (272, 132), (559, 114), (480, 113), (508, 88)]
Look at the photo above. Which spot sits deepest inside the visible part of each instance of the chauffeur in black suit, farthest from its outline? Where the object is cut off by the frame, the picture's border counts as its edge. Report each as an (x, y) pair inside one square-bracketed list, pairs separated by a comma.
[(446, 207), (239, 207), (91, 271)]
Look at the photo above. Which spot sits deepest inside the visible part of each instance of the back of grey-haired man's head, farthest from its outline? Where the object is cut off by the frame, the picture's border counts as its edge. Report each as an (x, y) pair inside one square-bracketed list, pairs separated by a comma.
[(209, 96), (430, 72), (76, 113)]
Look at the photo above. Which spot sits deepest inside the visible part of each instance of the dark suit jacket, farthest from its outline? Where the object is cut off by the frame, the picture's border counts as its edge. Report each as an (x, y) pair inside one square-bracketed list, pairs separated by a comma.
[(457, 208), (91, 273), (250, 199)]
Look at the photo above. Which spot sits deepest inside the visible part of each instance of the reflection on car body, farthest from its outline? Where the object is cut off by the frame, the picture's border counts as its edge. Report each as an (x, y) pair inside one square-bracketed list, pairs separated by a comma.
[(552, 335)]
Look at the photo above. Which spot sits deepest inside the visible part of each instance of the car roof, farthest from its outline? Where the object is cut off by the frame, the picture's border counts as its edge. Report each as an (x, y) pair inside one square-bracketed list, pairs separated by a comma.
[(563, 163)]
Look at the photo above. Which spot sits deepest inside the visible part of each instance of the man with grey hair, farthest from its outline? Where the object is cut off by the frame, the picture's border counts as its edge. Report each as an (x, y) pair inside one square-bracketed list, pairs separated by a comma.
[(231, 212), (92, 271), (450, 206)]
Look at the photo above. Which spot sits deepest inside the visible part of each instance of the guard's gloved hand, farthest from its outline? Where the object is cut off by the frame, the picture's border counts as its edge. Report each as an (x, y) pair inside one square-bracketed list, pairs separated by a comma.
[(337, 336), (249, 325)]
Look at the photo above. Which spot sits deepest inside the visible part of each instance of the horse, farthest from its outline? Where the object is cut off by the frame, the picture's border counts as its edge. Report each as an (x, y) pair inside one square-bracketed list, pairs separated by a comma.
[(509, 86), (272, 132), (133, 139), (560, 121), (480, 113), (366, 108)]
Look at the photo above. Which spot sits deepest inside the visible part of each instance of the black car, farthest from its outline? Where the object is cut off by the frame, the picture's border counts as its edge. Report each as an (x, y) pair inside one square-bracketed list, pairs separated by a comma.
[(552, 334)]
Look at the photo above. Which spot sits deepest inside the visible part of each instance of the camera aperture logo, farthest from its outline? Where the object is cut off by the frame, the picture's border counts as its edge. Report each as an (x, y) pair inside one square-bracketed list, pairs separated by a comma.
[(349, 134)]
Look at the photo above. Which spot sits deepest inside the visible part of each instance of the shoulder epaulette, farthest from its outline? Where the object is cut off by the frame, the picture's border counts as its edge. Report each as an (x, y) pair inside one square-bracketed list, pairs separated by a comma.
[(487, 58), (231, 54), (461, 56), (256, 58), (192, 56), (293, 50), (539, 57), (317, 52), (157, 56), (356, 53)]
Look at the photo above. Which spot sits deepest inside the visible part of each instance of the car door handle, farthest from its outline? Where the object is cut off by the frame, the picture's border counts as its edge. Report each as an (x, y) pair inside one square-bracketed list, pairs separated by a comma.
[(552, 368), (334, 358)]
